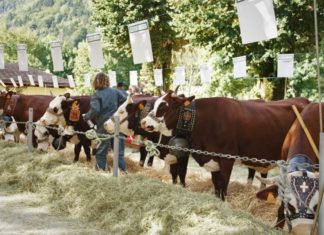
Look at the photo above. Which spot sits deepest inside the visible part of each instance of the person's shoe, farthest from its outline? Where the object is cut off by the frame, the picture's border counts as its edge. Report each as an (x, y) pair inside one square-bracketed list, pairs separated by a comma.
[(123, 172)]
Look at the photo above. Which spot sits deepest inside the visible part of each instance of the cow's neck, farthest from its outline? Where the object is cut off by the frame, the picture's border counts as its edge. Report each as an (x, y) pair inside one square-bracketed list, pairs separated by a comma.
[(10, 105)]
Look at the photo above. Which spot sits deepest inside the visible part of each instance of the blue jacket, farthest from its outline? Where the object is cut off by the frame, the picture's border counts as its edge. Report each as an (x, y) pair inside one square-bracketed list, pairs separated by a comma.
[(104, 103)]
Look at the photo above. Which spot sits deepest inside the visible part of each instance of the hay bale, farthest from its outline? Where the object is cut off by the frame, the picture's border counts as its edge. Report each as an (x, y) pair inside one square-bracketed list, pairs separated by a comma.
[(132, 204)]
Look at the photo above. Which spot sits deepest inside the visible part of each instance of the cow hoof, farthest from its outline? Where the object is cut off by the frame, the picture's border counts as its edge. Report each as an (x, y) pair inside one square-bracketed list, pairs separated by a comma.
[(141, 163), (88, 159), (149, 164), (183, 184)]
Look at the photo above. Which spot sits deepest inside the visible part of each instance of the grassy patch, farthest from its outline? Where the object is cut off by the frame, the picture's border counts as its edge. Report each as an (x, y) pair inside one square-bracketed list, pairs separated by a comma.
[(131, 204)]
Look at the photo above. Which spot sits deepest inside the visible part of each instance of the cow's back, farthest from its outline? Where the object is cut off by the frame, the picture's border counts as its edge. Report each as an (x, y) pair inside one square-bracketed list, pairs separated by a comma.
[(245, 128), (296, 141)]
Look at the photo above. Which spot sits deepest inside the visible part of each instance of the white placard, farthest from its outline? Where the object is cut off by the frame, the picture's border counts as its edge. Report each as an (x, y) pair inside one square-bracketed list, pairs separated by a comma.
[(56, 52), (71, 81), (13, 82), (95, 51), (87, 82), (257, 20), (40, 81), (1, 82), (55, 82), (239, 65), (31, 80), (158, 77), (205, 73), (22, 57), (133, 78), (2, 64), (21, 83), (285, 65), (140, 40), (112, 78), (180, 75)]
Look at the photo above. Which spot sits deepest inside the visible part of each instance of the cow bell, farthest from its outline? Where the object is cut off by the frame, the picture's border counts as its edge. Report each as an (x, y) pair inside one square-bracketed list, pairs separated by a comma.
[(178, 142), (59, 143)]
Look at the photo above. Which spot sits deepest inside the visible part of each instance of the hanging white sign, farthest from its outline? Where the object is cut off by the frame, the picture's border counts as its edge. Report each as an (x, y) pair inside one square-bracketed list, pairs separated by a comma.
[(205, 73), (87, 82), (2, 64), (158, 77), (21, 83), (285, 65), (140, 40), (13, 82), (22, 57), (112, 78), (239, 65), (40, 81), (31, 80), (71, 81), (257, 20), (95, 51), (1, 82), (133, 77), (180, 75), (56, 52), (55, 82)]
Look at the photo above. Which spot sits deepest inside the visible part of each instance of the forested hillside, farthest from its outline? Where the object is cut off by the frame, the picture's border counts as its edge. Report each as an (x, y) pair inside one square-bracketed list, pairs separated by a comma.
[(57, 19)]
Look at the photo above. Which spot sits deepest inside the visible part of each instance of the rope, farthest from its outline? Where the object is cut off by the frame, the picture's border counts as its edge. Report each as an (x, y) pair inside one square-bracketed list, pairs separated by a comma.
[(151, 148)]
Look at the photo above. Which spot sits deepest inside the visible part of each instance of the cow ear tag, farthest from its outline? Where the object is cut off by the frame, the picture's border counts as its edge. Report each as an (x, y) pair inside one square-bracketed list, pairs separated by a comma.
[(186, 103), (141, 106), (271, 199)]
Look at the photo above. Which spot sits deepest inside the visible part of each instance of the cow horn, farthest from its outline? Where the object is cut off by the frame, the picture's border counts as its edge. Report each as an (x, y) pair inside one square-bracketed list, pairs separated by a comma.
[(176, 90), (67, 95), (162, 91), (272, 180)]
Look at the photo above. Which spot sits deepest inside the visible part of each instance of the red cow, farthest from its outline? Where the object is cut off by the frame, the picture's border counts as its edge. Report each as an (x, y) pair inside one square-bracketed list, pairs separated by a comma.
[(228, 126), (301, 181)]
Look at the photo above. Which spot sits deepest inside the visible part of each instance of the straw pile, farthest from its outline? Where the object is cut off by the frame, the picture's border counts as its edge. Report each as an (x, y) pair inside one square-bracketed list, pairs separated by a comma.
[(132, 204)]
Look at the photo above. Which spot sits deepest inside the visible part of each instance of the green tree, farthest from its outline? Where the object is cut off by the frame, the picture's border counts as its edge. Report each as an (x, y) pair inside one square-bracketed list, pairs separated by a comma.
[(113, 16), (215, 23)]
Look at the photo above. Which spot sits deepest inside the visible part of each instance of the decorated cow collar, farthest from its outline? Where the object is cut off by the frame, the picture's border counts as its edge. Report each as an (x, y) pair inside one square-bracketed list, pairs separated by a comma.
[(304, 189), (186, 120)]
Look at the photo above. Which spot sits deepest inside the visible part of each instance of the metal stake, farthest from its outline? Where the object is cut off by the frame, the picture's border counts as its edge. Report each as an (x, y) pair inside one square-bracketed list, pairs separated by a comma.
[(30, 130), (116, 146)]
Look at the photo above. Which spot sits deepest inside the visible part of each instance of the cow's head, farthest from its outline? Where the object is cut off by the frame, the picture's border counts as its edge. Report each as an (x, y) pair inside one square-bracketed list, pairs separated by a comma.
[(8, 128), (55, 106), (129, 114), (4, 98), (303, 197), (164, 116), (42, 136), (54, 112)]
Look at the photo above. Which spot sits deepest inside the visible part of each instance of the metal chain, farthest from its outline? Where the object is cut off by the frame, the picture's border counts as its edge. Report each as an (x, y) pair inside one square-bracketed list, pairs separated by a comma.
[(152, 147)]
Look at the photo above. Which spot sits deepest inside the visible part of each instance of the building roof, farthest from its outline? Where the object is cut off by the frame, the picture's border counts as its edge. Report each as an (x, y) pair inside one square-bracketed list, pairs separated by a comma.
[(12, 71)]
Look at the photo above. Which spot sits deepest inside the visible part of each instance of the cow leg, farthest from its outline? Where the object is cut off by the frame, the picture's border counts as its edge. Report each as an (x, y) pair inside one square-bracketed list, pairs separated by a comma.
[(77, 150), (250, 176), (150, 161), (143, 154), (182, 169), (86, 146), (221, 178), (280, 217), (263, 175), (174, 172)]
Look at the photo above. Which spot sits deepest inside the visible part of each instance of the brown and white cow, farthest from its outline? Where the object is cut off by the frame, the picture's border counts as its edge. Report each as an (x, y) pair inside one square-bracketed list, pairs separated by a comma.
[(302, 182), (228, 126), (66, 112), (130, 113)]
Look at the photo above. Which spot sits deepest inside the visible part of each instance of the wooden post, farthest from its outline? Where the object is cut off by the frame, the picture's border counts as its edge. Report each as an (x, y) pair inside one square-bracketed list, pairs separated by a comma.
[(321, 185), (30, 130), (116, 146)]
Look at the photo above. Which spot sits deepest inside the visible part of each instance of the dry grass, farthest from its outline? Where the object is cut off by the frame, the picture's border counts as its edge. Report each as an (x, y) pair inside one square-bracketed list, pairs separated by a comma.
[(132, 204)]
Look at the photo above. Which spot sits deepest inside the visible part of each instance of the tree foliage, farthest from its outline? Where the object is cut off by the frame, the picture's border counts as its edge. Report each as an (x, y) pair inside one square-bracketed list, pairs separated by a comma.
[(61, 19), (113, 16), (215, 24)]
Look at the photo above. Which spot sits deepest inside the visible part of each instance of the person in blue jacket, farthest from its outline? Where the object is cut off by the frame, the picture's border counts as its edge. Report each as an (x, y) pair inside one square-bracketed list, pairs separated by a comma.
[(104, 103)]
